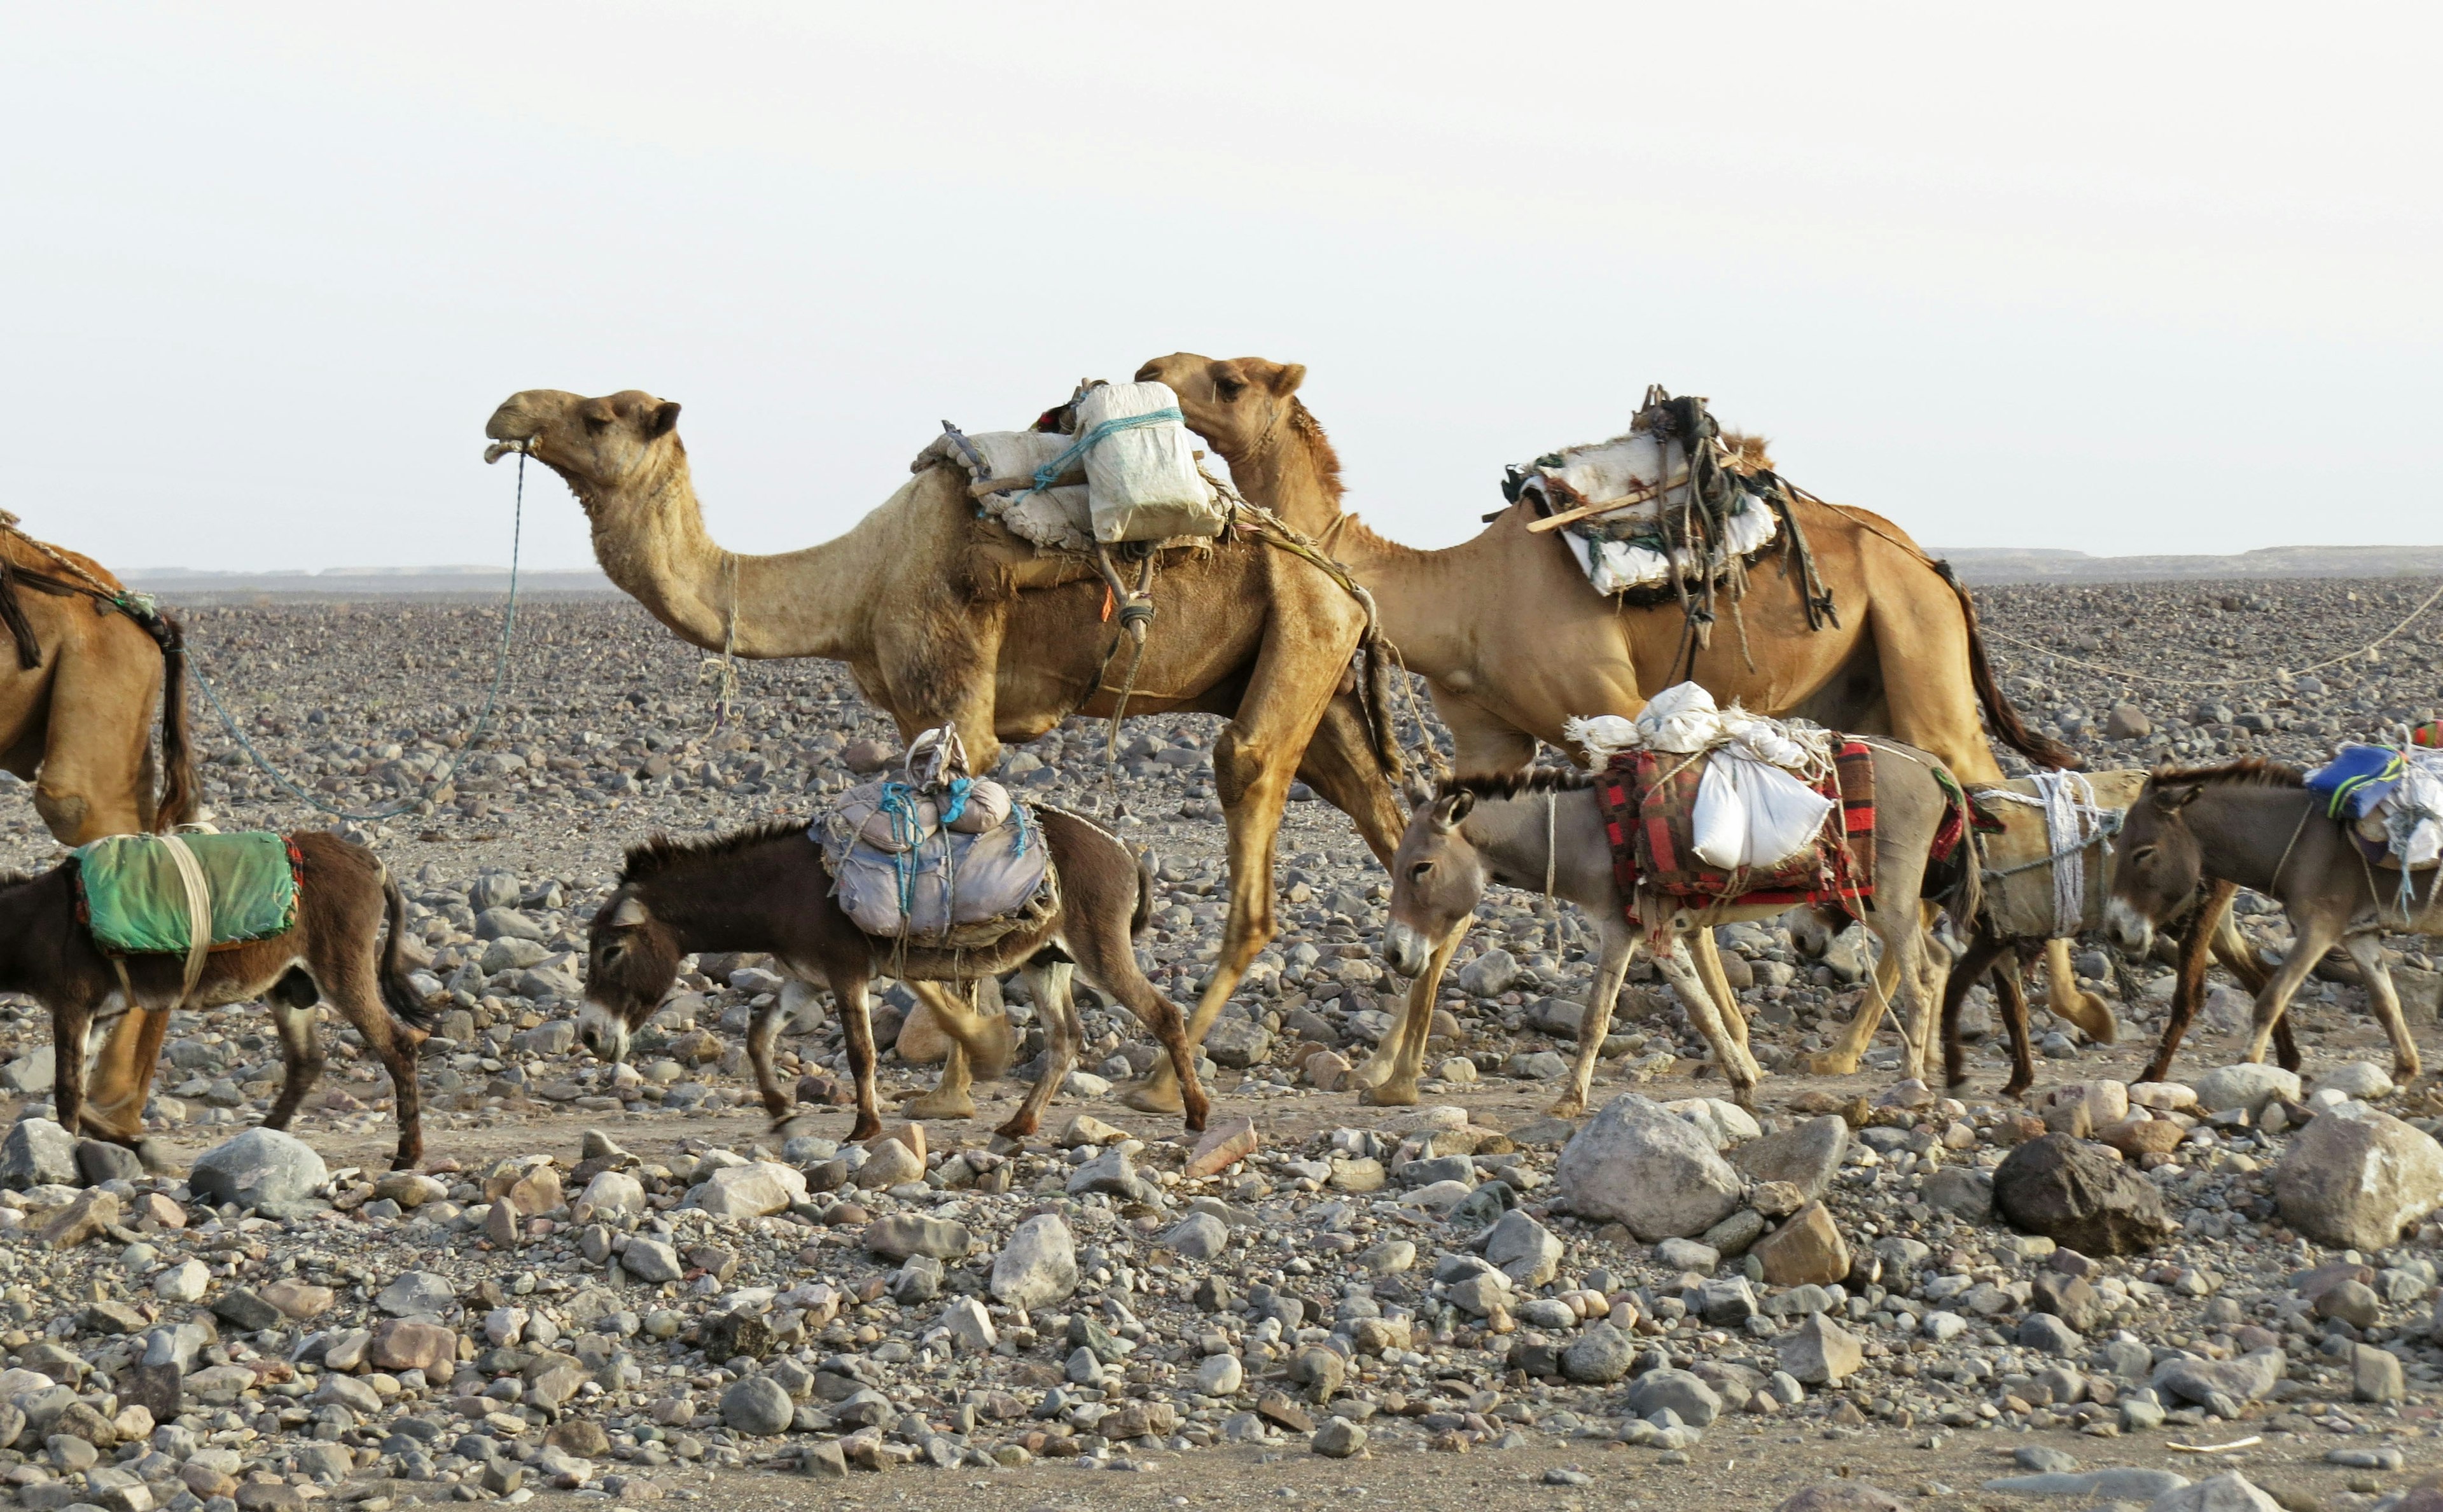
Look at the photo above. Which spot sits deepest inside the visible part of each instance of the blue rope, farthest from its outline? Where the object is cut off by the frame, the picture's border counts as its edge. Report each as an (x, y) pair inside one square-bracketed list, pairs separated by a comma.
[(1050, 472), (491, 700)]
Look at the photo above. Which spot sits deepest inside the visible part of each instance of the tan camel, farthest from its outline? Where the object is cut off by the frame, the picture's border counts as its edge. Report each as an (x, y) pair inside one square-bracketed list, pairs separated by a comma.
[(80, 678), (941, 615), (1514, 641)]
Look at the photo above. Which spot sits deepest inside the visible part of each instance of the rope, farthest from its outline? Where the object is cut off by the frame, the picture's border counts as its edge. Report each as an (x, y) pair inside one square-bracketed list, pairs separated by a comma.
[(2152, 680), (1050, 472), (728, 675), (482, 723)]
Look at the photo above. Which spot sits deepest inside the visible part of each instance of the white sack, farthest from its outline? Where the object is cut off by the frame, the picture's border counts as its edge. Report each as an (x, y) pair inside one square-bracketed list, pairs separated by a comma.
[(1141, 480), (1754, 815)]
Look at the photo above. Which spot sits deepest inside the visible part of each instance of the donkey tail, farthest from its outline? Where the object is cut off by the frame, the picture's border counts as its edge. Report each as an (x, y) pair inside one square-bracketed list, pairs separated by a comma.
[(2042, 750), (1142, 915), (398, 994)]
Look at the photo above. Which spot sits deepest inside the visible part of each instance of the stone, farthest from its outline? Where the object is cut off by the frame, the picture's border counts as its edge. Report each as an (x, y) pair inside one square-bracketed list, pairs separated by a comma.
[(2228, 1492), (1490, 974), (98, 1160), (274, 1174), (86, 1217), (756, 1190), (1960, 1191), (2245, 1085), (652, 1261), (1687, 1255), (2357, 1079), (33, 1073), (1200, 1236), (903, 1234), (2375, 1375), (1805, 1155), (348, 1392), (2244, 1380), (1637, 1164), (1819, 1351), (1320, 1371), (1039, 1265), (417, 1293), (1806, 1250), (610, 1194), (970, 1325), (1113, 1172), (2358, 1181), (182, 1282), (2113, 1483), (1338, 1438), (402, 1345), (297, 1298), (1224, 1143), (758, 1406), (1523, 1249), (2142, 1136), (2127, 721), (2351, 1300), (889, 1163), (1599, 1355), (1696, 1403), (1238, 1042), (2072, 1193), (2071, 1299), (1737, 1233), (1843, 1495), (38, 1153), (2045, 1332)]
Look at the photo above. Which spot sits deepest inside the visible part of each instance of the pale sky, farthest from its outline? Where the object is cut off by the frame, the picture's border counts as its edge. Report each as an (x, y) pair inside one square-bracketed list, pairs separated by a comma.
[(2118, 278)]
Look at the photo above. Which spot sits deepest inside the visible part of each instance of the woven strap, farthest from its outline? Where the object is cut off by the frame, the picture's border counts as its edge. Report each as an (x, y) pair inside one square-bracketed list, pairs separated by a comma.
[(199, 913)]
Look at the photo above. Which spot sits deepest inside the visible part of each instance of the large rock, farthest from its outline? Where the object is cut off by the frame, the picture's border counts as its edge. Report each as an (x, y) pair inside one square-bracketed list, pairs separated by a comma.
[(1843, 1495), (1820, 1352), (903, 1234), (2228, 1492), (2245, 1085), (1637, 1164), (2075, 1194), (1039, 1265), (610, 1194), (1525, 1250), (274, 1174), (38, 1153), (417, 1293), (757, 1405), (1696, 1403), (1600, 1356), (756, 1190), (2358, 1182), (1805, 1154), (2201, 1381), (1808, 1248)]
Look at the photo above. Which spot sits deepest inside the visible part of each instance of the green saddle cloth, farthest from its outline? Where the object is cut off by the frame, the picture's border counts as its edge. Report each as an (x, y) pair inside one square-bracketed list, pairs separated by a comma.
[(135, 901)]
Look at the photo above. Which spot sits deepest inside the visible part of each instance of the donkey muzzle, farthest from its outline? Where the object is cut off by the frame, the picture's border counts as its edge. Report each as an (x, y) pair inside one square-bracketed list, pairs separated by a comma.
[(1405, 950), (2130, 930)]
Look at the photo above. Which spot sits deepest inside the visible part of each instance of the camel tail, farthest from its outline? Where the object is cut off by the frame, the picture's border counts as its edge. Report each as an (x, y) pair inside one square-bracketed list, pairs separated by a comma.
[(180, 795), (2042, 750), (1375, 689), (398, 994)]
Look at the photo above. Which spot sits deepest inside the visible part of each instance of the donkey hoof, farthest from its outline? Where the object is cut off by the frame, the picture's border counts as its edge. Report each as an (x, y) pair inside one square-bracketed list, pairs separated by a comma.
[(1155, 1095), (940, 1103)]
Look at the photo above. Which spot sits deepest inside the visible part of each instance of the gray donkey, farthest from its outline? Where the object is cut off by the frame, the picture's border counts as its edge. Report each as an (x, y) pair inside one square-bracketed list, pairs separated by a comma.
[(1480, 830)]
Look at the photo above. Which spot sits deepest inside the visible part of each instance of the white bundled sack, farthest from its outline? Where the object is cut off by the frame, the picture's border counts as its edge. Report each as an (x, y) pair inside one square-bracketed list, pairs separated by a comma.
[(1059, 518), (1681, 719), (1751, 815), (1142, 481)]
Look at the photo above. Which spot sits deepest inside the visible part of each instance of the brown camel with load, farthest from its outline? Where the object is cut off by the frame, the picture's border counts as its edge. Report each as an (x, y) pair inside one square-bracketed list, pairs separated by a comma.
[(1514, 641), (83, 666), (947, 617)]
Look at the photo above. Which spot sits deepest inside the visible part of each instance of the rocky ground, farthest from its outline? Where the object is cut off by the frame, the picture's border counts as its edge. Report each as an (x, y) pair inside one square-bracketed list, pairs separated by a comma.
[(1671, 1303)]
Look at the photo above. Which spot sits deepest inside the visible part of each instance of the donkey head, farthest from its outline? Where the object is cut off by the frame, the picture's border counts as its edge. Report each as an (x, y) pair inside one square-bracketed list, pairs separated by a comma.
[(2159, 874), (631, 959), (1437, 880)]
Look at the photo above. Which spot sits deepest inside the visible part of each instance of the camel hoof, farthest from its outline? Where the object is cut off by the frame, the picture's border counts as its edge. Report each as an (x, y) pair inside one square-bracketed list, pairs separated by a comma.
[(1827, 1063), (1566, 1108), (940, 1103), (1373, 1071), (1395, 1092), (1153, 1095)]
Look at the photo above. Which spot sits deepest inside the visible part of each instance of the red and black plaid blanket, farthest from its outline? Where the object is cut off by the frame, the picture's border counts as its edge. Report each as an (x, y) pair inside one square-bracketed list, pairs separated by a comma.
[(1649, 803)]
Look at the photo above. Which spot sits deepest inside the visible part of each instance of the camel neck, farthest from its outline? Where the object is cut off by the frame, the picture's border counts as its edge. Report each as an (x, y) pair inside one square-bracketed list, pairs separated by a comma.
[(650, 540)]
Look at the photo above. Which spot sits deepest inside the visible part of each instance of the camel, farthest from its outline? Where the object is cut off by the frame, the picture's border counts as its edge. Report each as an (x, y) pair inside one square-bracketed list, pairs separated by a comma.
[(1513, 641), (77, 702), (943, 616)]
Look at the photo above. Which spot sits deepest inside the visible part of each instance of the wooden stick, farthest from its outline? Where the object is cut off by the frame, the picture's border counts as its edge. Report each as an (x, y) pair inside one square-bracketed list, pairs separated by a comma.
[(1647, 494), (1011, 486)]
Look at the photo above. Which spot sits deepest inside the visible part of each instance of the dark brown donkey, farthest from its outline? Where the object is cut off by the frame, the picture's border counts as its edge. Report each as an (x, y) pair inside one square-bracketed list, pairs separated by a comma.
[(767, 890), (2254, 823), (344, 898)]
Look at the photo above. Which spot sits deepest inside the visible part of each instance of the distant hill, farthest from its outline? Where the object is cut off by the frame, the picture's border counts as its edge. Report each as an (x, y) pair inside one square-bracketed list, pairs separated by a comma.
[(2030, 564), (363, 582)]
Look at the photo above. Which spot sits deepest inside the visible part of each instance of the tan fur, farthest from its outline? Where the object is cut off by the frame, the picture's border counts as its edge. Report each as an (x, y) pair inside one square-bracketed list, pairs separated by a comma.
[(945, 618)]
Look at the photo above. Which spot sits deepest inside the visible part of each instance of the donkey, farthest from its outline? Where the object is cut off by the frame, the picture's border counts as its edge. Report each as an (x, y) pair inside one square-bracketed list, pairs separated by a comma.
[(1480, 830), (768, 889), (343, 896), (2255, 824)]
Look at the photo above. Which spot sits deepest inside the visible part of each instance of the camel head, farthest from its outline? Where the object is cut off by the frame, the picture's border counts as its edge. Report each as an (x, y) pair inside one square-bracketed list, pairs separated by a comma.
[(598, 445), (1234, 403)]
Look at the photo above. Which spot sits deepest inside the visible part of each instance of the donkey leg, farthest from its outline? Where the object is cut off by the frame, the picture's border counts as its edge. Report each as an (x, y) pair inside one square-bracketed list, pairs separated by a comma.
[(762, 1032), (300, 1051), (1681, 973), (71, 1026), (2010, 987), (2367, 949), (1055, 1001), (1982, 948), (2286, 1049), (2311, 938), (2197, 949), (856, 1017), (1108, 963), (1709, 966), (1619, 949), (2091, 1014)]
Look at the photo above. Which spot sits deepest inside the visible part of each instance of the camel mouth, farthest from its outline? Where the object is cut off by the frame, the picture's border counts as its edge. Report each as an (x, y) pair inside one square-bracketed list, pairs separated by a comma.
[(502, 449)]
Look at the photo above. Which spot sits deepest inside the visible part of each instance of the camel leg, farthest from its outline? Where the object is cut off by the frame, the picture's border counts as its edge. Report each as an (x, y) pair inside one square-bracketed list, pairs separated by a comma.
[(123, 1074), (1982, 949), (980, 1045), (2092, 1015), (2311, 938), (1709, 966), (1340, 765), (2367, 949), (2010, 987), (1842, 1059), (1681, 973), (856, 1017), (1404, 1048), (1056, 1003), (1252, 762), (1619, 949)]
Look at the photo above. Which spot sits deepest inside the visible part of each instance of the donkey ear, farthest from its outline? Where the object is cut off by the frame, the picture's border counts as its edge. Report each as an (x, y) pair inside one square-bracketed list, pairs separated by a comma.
[(630, 912), (2176, 799), (1451, 811)]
